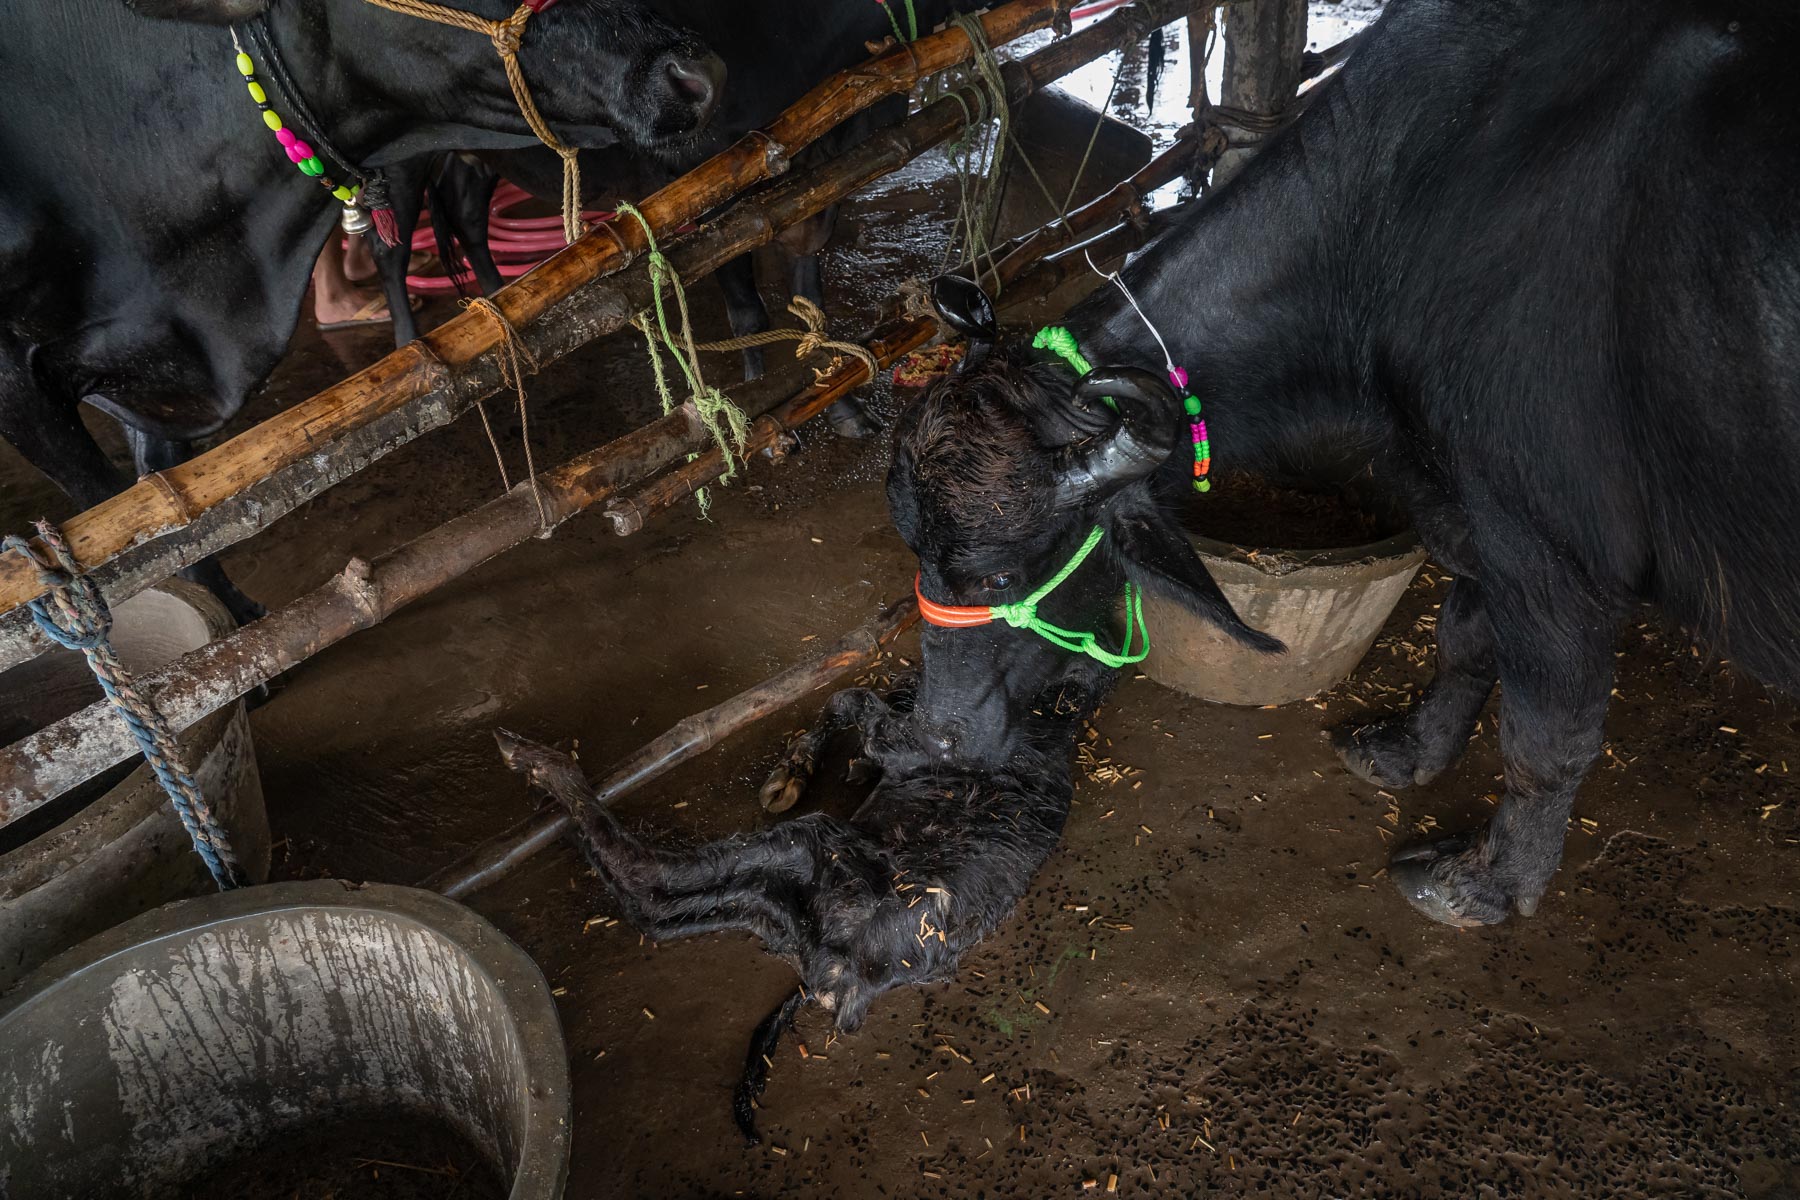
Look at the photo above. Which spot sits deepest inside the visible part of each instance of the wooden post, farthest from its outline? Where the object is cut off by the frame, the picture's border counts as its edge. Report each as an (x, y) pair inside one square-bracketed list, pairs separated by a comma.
[(1263, 44), (687, 738)]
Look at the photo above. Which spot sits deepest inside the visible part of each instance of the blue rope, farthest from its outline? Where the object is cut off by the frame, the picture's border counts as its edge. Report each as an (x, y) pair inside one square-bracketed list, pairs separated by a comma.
[(85, 624)]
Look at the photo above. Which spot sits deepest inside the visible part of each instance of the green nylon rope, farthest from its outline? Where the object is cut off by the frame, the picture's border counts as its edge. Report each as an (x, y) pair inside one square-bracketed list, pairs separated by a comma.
[(1023, 615), (724, 420)]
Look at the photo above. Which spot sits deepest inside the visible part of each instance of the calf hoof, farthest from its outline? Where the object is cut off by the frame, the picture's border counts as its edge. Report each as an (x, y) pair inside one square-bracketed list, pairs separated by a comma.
[(1450, 881), (781, 791), (1384, 753), (849, 420)]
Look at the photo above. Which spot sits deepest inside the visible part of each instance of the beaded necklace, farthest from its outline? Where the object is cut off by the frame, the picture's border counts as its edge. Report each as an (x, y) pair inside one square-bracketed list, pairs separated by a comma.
[(299, 152)]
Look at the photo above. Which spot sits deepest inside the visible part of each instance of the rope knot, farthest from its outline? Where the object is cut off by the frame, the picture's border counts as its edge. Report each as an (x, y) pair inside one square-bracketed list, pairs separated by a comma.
[(83, 622), (1019, 616), (509, 33)]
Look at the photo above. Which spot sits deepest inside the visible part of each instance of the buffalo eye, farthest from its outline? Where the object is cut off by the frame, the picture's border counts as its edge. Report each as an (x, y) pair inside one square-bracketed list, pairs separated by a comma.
[(999, 581)]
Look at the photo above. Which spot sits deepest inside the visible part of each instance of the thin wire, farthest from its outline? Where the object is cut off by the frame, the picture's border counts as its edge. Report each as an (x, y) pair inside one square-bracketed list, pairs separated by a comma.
[(1168, 359)]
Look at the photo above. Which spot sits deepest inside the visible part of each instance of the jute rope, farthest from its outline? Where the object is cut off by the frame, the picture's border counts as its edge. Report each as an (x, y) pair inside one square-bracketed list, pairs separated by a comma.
[(506, 35), (812, 339), (516, 361)]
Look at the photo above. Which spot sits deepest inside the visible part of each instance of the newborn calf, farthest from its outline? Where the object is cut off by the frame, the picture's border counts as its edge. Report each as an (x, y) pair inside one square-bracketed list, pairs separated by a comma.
[(933, 860)]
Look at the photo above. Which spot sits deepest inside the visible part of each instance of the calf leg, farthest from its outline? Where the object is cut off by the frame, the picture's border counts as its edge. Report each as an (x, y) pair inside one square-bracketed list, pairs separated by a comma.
[(858, 708), (737, 883), (1414, 746), (153, 453), (744, 307), (1553, 645)]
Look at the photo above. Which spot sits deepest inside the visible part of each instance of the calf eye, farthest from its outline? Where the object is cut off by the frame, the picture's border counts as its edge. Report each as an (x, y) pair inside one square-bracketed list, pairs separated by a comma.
[(997, 582)]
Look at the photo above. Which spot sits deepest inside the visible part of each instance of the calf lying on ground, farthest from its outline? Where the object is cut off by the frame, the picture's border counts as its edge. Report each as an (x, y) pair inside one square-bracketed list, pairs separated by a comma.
[(924, 869)]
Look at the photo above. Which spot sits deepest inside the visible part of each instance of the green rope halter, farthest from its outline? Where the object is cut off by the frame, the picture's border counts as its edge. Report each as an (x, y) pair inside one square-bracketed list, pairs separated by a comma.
[(1023, 615)]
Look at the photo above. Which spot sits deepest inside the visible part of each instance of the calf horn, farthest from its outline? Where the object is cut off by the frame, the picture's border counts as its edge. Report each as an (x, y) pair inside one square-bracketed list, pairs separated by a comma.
[(1142, 440)]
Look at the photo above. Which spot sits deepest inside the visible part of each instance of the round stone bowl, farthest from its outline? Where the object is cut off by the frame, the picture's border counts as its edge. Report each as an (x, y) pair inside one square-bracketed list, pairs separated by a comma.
[(114, 848), (1327, 605), (219, 1029)]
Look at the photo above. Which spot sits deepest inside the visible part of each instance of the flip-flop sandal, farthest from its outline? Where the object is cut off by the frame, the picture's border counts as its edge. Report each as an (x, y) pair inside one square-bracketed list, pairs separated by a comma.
[(422, 262), (366, 315)]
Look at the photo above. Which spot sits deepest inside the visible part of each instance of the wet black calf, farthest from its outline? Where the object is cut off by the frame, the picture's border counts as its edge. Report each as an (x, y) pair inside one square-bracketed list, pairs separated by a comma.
[(893, 896)]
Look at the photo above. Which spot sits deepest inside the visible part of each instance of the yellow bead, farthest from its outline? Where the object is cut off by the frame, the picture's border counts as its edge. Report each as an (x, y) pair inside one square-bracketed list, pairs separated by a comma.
[(271, 120), (257, 94), (342, 193), (244, 65)]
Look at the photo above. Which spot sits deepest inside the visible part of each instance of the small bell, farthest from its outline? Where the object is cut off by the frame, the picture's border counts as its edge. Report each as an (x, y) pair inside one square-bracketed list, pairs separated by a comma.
[(355, 220)]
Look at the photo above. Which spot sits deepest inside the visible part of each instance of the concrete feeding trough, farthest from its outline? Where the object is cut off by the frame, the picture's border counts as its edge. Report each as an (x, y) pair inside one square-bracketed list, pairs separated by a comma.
[(156, 1057), (114, 847), (1327, 605)]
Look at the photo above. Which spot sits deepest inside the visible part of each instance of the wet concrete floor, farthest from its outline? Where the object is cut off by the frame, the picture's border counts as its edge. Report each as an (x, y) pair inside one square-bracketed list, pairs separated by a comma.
[(1211, 989)]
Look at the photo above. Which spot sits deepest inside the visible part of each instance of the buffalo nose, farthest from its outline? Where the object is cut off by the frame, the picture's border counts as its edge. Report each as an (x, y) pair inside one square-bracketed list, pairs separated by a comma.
[(697, 82)]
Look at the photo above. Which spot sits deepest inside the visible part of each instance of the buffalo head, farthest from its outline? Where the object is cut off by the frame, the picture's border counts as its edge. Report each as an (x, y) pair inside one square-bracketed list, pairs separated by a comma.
[(1001, 474), (602, 72)]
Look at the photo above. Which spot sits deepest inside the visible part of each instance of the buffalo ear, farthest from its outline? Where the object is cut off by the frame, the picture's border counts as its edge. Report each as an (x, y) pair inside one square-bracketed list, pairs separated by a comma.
[(201, 12), (1161, 561)]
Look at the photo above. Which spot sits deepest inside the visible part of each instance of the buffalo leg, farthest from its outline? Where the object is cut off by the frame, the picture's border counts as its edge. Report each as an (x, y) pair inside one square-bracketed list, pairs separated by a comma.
[(461, 198), (1553, 646), (805, 241), (1415, 745), (852, 708), (46, 428), (744, 308), (406, 184)]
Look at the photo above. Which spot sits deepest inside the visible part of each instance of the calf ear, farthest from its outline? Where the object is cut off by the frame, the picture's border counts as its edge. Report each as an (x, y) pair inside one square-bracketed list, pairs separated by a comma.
[(1159, 560), (203, 12)]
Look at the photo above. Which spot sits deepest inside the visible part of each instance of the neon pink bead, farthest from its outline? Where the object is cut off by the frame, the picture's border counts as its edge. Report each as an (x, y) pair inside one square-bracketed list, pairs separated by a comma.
[(1198, 436), (295, 153), (1203, 431), (285, 137), (1178, 377)]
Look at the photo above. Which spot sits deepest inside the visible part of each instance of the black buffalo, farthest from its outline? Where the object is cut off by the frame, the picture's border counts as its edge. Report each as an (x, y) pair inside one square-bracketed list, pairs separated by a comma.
[(1534, 264), (155, 241), (773, 54)]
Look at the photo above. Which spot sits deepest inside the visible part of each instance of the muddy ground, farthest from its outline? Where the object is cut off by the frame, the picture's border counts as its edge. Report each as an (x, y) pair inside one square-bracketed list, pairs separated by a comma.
[(1210, 990)]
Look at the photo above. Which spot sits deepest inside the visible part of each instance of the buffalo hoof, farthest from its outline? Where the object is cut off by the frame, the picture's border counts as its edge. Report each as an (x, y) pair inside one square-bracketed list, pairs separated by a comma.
[(1385, 753), (1450, 881), (849, 420)]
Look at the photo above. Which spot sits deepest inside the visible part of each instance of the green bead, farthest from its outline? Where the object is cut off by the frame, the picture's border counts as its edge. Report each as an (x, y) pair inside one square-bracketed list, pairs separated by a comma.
[(244, 65), (1192, 403), (312, 166), (342, 193), (271, 120), (1202, 485), (257, 94)]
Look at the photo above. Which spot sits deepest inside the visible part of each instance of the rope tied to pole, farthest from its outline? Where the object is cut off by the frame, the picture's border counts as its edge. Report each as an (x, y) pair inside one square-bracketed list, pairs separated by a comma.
[(516, 361), (506, 34), (81, 621), (724, 421), (811, 340)]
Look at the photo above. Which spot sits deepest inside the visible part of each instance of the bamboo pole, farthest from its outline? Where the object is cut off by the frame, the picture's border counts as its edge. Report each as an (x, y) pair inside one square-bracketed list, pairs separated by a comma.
[(686, 739), (69, 752), (455, 364)]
